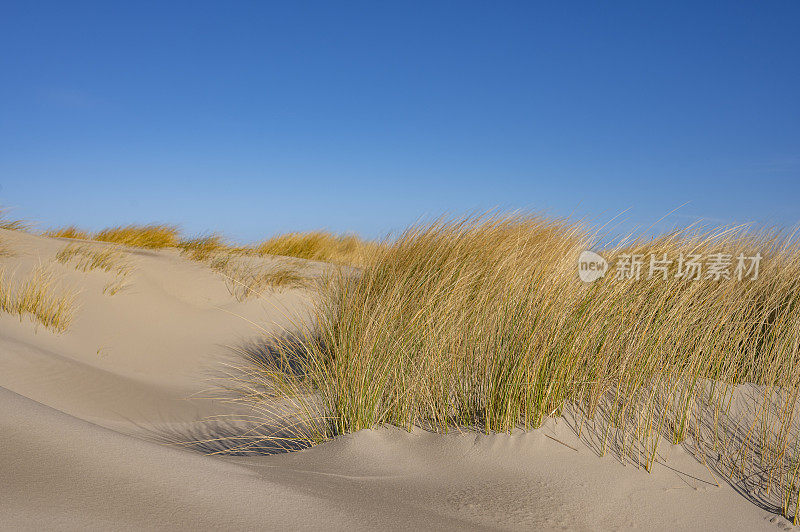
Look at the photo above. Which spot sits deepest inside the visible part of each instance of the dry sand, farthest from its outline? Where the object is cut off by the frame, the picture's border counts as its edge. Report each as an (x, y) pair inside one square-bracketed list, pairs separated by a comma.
[(81, 415)]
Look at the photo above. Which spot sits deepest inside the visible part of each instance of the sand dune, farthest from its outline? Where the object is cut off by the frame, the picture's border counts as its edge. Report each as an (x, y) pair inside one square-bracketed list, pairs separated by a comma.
[(83, 416)]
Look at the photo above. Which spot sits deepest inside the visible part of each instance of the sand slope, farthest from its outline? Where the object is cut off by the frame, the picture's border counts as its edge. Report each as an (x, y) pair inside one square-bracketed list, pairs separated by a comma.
[(80, 415)]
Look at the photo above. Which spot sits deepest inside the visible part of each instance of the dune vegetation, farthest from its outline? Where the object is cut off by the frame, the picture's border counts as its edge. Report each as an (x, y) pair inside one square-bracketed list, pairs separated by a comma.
[(244, 277), (12, 224), (39, 297), (320, 246), (109, 259), (153, 236), (204, 248), (482, 323), (313, 245), (150, 236), (5, 249), (69, 231)]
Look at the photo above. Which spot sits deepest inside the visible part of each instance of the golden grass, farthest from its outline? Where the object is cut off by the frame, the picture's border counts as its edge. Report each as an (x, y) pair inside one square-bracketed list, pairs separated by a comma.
[(245, 280), (482, 322), (203, 248), (39, 297), (320, 246), (70, 231), (12, 225), (315, 245), (5, 249), (283, 278), (245, 276), (108, 259), (153, 236)]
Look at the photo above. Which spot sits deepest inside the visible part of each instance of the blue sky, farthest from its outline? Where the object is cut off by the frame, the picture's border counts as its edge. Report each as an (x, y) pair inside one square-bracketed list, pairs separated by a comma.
[(254, 118)]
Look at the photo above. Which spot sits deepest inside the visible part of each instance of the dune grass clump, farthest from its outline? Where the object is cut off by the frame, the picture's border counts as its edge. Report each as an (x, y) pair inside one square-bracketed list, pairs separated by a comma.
[(39, 297), (483, 323), (203, 248), (153, 236), (283, 278), (108, 259), (246, 280), (70, 231), (441, 329), (11, 224), (320, 246), (245, 276)]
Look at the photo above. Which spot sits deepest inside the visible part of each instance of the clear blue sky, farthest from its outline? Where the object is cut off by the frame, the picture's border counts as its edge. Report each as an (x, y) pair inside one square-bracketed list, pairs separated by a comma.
[(253, 118)]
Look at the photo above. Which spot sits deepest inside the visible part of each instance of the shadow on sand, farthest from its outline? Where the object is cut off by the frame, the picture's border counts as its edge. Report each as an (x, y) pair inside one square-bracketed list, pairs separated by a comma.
[(262, 417)]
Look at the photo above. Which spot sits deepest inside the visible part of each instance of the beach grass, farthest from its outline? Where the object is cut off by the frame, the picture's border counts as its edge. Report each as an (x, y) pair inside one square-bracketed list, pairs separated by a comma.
[(313, 245), (245, 276), (203, 248), (5, 249), (108, 259), (40, 297), (10, 224), (152, 236), (320, 246), (482, 323), (70, 231)]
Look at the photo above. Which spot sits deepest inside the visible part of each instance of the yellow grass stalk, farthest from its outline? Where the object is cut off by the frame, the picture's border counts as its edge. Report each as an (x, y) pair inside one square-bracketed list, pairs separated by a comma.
[(245, 276), (320, 246), (482, 322), (70, 231), (153, 236), (39, 297), (12, 225), (108, 259)]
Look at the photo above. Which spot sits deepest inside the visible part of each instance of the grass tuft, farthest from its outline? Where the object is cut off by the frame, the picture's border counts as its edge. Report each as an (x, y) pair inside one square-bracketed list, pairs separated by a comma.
[(40, 298), (70, 231), (5, 249), (153, 236), (109, 259), (245, 276), (319, 246), (12, 225), (203, 248), (482, 323)]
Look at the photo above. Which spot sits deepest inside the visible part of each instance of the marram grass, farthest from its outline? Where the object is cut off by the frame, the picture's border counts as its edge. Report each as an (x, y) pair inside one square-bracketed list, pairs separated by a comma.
[(483, 323), (153, 236), (40, 298), (108, 259), (69, 231), (203, 248), (12, 224), (245, 276), (312, 245), (150, 236), (320, 246)]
